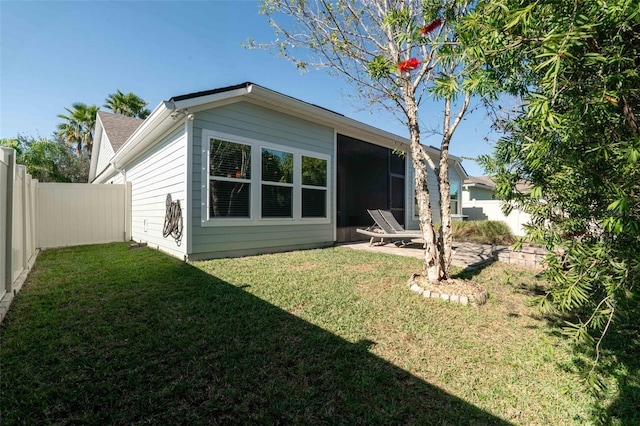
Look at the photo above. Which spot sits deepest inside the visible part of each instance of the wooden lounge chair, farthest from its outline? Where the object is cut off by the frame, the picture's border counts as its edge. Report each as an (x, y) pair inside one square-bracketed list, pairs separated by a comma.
[(387, 229)]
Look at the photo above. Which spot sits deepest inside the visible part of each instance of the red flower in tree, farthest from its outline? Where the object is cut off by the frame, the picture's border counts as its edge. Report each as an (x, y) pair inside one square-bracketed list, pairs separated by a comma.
[(409, 65), (432, 26)]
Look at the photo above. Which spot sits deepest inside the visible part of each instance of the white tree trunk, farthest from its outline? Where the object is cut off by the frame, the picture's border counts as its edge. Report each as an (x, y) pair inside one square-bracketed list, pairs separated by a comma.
[(432, 264)]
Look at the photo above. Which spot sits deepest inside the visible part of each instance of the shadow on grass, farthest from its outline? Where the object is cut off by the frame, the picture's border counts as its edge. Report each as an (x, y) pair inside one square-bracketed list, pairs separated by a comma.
[(471, 271), (623, 346), (149, 339)]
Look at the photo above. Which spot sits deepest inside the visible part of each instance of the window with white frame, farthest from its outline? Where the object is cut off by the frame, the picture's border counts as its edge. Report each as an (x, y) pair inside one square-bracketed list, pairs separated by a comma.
[(454, 196), (229, 179), (253, 182), (277, 183), (314, 187)]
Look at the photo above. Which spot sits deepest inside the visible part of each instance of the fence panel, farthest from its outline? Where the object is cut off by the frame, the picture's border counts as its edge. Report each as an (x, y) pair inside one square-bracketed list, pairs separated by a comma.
[(18, 246), (6, 190), (75, 214), (492, 210)]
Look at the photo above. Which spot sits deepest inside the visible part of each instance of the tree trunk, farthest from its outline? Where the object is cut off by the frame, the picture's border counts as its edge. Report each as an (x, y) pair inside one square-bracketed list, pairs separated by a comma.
[(445, 240), (432, 265), (445, 236)]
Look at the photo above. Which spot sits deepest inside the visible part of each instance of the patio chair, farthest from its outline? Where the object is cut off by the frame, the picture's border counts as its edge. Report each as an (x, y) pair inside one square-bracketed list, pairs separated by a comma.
[(386, 231)]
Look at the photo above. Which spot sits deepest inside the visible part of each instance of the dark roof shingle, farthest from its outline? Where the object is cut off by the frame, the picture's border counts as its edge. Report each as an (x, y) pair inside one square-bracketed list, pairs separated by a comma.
[(118, 127)]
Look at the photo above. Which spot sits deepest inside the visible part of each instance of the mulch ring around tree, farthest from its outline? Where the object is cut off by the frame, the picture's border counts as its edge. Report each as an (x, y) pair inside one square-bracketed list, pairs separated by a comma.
[(455, 291)]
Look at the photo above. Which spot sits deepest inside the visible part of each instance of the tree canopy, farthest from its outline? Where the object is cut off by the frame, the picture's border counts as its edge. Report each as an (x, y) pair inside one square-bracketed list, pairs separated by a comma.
[(128, 104), (575, 141), (77, 129), (49, 160)]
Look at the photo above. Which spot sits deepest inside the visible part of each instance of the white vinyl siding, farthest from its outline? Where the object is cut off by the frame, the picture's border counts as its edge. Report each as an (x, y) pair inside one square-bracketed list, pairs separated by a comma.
[(157, 173), (105, 154), (244, 122)]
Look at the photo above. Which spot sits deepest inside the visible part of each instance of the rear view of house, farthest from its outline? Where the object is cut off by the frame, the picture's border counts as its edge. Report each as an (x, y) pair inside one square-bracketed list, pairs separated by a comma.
[(244, 170)]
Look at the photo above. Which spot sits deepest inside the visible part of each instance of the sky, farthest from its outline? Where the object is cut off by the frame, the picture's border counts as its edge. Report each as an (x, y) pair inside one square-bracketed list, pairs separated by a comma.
[(55, 53)]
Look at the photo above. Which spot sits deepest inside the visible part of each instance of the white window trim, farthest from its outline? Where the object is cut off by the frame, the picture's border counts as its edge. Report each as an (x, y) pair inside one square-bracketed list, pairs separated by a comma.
[(282, 184), (255, 199)]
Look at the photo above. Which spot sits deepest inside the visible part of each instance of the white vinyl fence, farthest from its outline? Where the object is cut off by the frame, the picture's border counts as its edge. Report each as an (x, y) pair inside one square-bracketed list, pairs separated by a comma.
[(491, 210), (71, 214), (36, 215)]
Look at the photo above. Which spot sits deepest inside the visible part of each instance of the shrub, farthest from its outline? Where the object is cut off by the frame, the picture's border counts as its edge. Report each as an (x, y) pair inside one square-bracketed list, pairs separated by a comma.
[(483, 231)]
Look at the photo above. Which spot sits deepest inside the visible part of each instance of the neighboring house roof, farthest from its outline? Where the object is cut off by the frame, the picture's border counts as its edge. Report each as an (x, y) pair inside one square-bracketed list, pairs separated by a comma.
[(485, 182), (118, 127), (480, 181)]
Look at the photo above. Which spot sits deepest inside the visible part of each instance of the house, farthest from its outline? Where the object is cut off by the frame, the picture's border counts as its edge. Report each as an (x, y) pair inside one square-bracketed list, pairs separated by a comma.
[(478, 188), (244, 170), (479, 202)]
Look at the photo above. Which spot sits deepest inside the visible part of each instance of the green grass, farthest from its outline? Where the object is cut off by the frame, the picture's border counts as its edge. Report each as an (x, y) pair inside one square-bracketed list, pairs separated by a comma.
[(108, 335), (482, 231)]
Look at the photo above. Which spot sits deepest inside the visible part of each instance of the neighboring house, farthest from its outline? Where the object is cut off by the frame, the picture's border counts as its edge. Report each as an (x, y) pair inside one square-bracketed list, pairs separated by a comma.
[(255, 171), (479, 203)]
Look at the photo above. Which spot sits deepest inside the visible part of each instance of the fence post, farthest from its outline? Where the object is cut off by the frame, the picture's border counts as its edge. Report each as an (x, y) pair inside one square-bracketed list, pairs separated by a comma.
[(8, 275), (25, 217)]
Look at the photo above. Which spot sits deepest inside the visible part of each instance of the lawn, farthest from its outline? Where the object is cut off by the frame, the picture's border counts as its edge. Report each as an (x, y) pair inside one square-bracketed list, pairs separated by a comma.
[(104, 334)]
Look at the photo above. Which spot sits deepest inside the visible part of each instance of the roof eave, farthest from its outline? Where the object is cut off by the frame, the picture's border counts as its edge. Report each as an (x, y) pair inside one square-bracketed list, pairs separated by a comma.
[(139, 141)]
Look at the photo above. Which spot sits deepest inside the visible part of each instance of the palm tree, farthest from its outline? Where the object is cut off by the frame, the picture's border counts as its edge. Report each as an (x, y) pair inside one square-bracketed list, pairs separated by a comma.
[(128, 104), (78, 128)]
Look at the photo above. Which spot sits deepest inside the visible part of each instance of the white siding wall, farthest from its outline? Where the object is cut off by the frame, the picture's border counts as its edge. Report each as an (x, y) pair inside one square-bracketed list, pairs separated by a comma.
[(105, 154), (158, 172), (260, 124)]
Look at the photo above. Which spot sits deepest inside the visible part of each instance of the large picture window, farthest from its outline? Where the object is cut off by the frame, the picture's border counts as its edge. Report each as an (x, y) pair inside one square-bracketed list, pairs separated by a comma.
[(250, 182), (230, 179)]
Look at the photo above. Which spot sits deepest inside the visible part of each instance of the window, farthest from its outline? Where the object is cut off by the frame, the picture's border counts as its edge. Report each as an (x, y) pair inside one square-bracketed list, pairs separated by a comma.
[(453, 191), (229, 179), (249, 182), (277, 183), (314, 187)]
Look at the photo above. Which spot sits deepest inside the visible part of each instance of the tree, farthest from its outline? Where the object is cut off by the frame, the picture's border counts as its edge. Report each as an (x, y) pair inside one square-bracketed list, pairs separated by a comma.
[(576, 141), (128, 104), (49, 160), (77, 129), (394, 52)]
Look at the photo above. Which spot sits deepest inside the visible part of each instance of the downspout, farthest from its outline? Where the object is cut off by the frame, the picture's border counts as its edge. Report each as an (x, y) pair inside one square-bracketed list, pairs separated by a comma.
[(123, 172)]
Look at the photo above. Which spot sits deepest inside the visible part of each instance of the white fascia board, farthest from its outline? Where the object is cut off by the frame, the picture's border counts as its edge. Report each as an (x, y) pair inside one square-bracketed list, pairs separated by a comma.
[(204, 102), (461, 171), (139, 141)]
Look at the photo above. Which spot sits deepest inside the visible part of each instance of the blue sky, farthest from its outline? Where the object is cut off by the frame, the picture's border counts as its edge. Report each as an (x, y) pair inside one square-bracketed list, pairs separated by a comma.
[(55, 53)]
